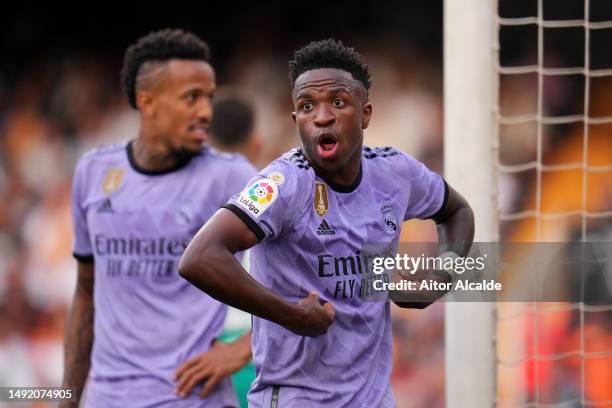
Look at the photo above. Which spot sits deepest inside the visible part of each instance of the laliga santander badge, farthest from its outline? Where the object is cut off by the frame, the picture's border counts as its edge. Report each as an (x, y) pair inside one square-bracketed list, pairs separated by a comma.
[(257, 197)]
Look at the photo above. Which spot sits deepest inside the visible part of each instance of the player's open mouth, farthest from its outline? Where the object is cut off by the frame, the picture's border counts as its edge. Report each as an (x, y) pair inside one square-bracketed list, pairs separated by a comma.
[(200, 132), (327, 145)]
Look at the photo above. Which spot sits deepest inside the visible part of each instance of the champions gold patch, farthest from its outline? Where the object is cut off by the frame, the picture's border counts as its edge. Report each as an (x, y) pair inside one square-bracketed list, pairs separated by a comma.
[(321, 203), (112, 181)]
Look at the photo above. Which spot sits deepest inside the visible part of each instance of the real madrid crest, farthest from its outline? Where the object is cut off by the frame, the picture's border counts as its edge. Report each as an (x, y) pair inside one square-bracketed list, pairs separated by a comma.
[(387, 220), (184, 214), (320, 202), (112, 181)]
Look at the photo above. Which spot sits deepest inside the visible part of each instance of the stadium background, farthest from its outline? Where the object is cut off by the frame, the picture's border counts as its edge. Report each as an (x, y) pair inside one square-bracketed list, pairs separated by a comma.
[(60, 96)]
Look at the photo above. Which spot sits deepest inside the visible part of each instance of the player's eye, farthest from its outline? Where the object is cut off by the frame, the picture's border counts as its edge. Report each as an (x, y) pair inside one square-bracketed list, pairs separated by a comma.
[(192, 96), (307, 106), (338, 103)]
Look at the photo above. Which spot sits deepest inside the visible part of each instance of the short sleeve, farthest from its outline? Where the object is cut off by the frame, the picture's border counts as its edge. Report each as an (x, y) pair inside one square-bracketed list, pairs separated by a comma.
[(428, 192), (82, 245), (238, 176), (266, 202)]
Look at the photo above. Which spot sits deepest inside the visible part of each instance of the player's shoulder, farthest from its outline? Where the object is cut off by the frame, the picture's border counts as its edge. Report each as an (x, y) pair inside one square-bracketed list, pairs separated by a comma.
[(381, 153), (102, 154), (213, 154), (105, 151), (292, 165), (389, 158), (296, 160), (383, 158), (232, 162), (291, 172)]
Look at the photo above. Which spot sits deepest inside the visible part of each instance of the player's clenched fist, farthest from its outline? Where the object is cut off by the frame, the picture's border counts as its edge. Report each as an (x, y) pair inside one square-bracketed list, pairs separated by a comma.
[(316, 316)]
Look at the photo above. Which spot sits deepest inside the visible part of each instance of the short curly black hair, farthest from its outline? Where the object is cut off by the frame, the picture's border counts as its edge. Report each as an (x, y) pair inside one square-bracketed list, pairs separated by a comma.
[(159, 46), (329, 53), (233, 120)]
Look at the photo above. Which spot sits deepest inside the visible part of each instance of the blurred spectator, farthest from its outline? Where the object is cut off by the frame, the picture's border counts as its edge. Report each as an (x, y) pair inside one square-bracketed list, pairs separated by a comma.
[(233, 126)]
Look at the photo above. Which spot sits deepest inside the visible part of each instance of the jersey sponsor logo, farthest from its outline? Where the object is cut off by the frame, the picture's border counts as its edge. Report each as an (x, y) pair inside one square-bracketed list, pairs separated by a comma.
[(320, 202), (325, 229), (352, 275), (388, 221), (131, 256), (258, 196), (277, 178), (136, 246), (112, 181)]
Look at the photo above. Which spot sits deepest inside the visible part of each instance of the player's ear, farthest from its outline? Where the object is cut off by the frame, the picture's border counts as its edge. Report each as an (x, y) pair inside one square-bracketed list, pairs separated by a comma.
[(145, 102), (293, 116), (366, 114)]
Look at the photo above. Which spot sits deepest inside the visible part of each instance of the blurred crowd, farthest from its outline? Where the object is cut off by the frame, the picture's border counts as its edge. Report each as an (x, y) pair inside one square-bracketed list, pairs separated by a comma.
[(58, 108), (55, 112)]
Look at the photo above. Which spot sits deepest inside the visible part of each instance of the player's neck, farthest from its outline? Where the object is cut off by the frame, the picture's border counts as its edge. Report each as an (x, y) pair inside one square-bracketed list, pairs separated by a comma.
[(345, 179), (152, 155)]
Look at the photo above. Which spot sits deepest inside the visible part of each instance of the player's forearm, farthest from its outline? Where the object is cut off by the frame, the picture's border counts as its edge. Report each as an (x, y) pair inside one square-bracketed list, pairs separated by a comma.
[(78, 344), (421, 296), (212, 268), (456, 233)]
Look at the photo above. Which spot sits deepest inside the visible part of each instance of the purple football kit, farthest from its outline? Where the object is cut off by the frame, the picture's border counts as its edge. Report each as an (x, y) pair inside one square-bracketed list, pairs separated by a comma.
[(317, 236), (135, 224)]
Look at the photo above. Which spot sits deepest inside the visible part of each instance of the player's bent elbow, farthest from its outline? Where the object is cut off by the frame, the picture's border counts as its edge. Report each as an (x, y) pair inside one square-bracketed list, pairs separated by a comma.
[(469, 213), (201, 262), (188, 266), (185, 268), (191, 265), (413, 305), (411, 300)]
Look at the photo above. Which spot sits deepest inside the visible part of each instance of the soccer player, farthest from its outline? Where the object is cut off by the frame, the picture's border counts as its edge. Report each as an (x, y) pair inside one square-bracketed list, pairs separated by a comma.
[(233, 126), (149, 335), (315, 218)]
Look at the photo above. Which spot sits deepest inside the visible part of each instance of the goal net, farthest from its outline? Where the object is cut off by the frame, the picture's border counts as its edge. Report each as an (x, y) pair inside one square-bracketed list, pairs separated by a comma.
[(528, 141)]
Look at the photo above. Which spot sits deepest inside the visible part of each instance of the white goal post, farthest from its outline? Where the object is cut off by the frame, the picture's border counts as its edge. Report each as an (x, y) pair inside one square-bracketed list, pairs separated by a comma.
[(470, 154)]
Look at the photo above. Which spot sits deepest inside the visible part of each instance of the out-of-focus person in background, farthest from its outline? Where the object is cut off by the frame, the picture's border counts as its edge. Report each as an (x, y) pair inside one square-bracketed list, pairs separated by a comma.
[(141, 334), (233, 126)]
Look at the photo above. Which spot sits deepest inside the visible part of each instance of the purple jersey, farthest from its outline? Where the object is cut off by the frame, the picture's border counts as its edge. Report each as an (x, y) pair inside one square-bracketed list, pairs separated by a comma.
[(135, 224), (319, 237)]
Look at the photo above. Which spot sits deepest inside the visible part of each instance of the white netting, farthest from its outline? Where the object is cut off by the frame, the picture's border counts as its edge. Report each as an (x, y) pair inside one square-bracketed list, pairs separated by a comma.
[(540, 362)]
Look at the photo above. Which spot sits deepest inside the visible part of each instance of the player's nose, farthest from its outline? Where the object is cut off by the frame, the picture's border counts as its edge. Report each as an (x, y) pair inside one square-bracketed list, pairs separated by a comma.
[(204, 111), (324, 116)]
